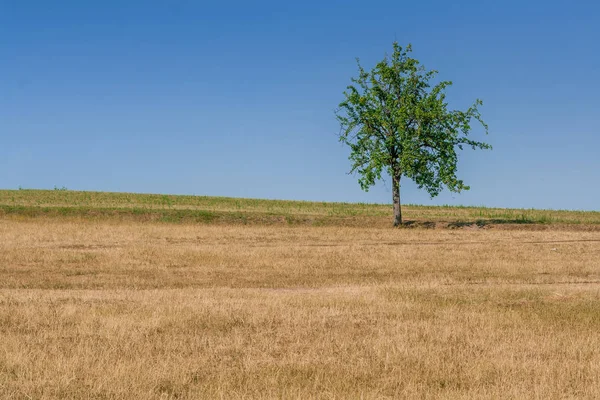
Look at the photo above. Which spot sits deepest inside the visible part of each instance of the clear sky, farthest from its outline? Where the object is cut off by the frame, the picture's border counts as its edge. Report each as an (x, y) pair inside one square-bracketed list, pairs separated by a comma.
[(236, 98)]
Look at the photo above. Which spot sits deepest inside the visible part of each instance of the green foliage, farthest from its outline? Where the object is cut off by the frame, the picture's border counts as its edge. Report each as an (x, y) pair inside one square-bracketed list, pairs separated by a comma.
[(395, 120)]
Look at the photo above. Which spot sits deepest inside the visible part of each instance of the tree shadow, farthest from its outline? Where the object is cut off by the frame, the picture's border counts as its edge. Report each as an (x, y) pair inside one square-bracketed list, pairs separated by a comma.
[(479, 223), (418, 224), (483, 222)]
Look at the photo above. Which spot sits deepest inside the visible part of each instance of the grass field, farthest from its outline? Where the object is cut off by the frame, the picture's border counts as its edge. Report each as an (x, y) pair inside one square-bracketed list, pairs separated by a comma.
[(170, 208), (331, 303)]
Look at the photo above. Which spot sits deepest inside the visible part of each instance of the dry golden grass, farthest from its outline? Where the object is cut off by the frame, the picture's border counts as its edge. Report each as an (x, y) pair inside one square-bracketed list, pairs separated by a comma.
[(122, 310)]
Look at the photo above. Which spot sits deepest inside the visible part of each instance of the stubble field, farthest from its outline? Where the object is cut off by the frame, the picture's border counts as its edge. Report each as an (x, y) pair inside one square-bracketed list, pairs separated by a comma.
[(117, 308)]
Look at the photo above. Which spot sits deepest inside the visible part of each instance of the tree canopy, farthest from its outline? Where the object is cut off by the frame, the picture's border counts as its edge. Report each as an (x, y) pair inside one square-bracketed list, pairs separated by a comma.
[(396, 121)]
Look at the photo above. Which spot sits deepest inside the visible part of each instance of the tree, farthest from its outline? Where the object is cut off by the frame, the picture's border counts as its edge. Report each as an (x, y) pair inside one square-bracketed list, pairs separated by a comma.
[(396, 121)]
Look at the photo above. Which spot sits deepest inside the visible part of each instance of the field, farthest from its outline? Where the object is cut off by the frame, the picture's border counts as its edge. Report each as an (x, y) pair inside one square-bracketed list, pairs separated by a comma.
[(223, 210), (120, 296)]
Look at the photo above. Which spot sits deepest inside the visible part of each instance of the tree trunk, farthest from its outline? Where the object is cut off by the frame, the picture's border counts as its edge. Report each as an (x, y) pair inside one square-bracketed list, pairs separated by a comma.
[(396, 200)]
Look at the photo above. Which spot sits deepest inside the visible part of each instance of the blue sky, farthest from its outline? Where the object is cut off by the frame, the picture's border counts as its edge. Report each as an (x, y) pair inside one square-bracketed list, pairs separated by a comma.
[(237, 98)]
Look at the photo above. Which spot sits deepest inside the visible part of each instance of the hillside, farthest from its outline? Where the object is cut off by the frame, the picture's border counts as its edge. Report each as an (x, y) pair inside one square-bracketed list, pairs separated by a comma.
[(226, 210)]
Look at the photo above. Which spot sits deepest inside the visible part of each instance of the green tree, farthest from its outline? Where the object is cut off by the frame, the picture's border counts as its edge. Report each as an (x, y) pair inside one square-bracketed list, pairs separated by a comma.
[(396, 121)]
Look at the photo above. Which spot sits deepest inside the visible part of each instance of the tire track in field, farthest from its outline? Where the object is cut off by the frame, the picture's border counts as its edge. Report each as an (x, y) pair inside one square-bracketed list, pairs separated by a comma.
[(426, 243)]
